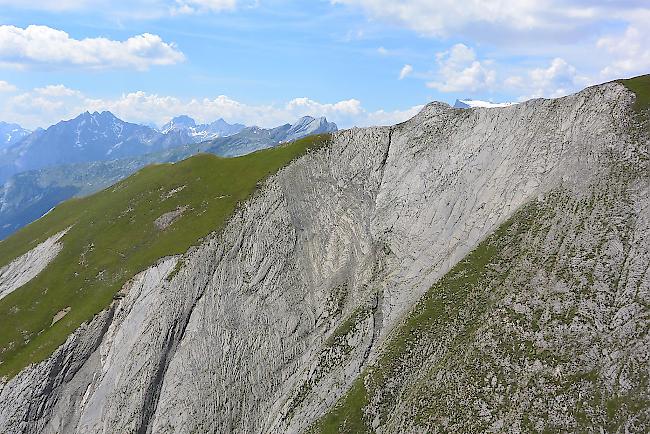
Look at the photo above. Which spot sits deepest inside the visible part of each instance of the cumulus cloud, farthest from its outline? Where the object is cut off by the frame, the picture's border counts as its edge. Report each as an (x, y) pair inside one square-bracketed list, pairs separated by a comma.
[(630, 51), (440, 17), (47, 105), (6, 87), (460, 70), (130, 9), (382, 117), (558, 79), (56, 90), (47, 46), (48, 5), (405, 72), (193, 6)]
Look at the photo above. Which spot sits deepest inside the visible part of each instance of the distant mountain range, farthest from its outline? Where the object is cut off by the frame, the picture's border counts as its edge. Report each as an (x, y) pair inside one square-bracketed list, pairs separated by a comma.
[(93, 151), (97, 137), (11, 134), (199, 133), (26, 196), (255, 138)]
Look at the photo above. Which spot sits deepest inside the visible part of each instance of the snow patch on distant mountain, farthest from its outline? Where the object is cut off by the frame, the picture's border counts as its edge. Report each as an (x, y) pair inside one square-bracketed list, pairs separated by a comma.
[(187, 125), (182, 122), (88, 137), (11, 133), (475, 103)]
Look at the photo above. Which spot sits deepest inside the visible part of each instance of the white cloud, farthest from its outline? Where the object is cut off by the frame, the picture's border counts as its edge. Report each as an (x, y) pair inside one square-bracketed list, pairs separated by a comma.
[(48, 105), (48, 5), (56, 90), (437, 18), (559, 79), (630, 51), (193, 6), (460, 70), (129, 9), (405, 72), (48, 46), (6, 87), (440, 17), (381, 117)]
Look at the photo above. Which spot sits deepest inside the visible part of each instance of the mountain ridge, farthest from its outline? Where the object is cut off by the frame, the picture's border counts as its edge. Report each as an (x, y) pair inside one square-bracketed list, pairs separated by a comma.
[(28, 195), (11, 134), (201, 132), (464, 270), (253, 138), (87, 137)]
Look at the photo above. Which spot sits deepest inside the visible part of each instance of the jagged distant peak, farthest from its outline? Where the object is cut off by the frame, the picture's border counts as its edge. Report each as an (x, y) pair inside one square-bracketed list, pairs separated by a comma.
[(96, 116), (312, 122), (11, 133), (179, 123), (186, 124)]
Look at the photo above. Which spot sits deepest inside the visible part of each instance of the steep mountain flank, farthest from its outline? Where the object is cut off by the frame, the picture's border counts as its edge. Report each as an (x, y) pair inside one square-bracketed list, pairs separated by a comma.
[(543, 327), (467, 270), (117, 233)]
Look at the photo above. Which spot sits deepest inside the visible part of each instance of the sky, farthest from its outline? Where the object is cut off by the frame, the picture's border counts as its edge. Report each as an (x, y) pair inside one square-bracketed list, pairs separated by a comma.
[(267, 62)]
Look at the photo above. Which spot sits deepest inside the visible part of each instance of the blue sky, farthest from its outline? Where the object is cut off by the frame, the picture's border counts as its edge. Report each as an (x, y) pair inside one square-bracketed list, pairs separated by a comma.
[(266, 62)]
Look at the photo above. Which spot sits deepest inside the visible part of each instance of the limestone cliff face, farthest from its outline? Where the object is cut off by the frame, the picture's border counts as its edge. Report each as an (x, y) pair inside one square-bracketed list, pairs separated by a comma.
[(263, 327)]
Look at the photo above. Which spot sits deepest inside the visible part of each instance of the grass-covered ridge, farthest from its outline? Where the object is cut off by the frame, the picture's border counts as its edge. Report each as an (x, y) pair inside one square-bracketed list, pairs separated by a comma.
[(641, 87), (113, 236)]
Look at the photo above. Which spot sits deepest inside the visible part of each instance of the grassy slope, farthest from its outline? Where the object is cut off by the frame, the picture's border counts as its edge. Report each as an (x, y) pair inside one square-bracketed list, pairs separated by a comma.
[(641, 87), (113, 237)]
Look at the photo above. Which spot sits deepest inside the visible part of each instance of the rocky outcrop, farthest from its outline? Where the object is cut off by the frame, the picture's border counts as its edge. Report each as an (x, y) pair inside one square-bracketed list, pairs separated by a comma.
[(264, 326), (24, 268)]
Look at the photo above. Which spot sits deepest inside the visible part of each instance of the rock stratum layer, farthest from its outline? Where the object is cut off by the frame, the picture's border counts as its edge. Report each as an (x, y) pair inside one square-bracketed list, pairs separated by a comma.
[(467, 270)]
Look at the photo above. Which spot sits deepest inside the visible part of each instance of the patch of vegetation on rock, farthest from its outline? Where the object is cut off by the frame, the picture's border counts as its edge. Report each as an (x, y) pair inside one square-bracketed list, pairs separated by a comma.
[(505, 338)]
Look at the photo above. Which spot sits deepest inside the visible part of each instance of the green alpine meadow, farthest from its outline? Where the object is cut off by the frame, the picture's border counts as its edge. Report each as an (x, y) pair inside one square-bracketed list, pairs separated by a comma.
[(112, 235)]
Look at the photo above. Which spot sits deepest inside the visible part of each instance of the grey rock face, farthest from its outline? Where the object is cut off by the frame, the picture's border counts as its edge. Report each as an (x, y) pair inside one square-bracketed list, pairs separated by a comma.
[(24, 268), (262, 327), (557, 336)]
